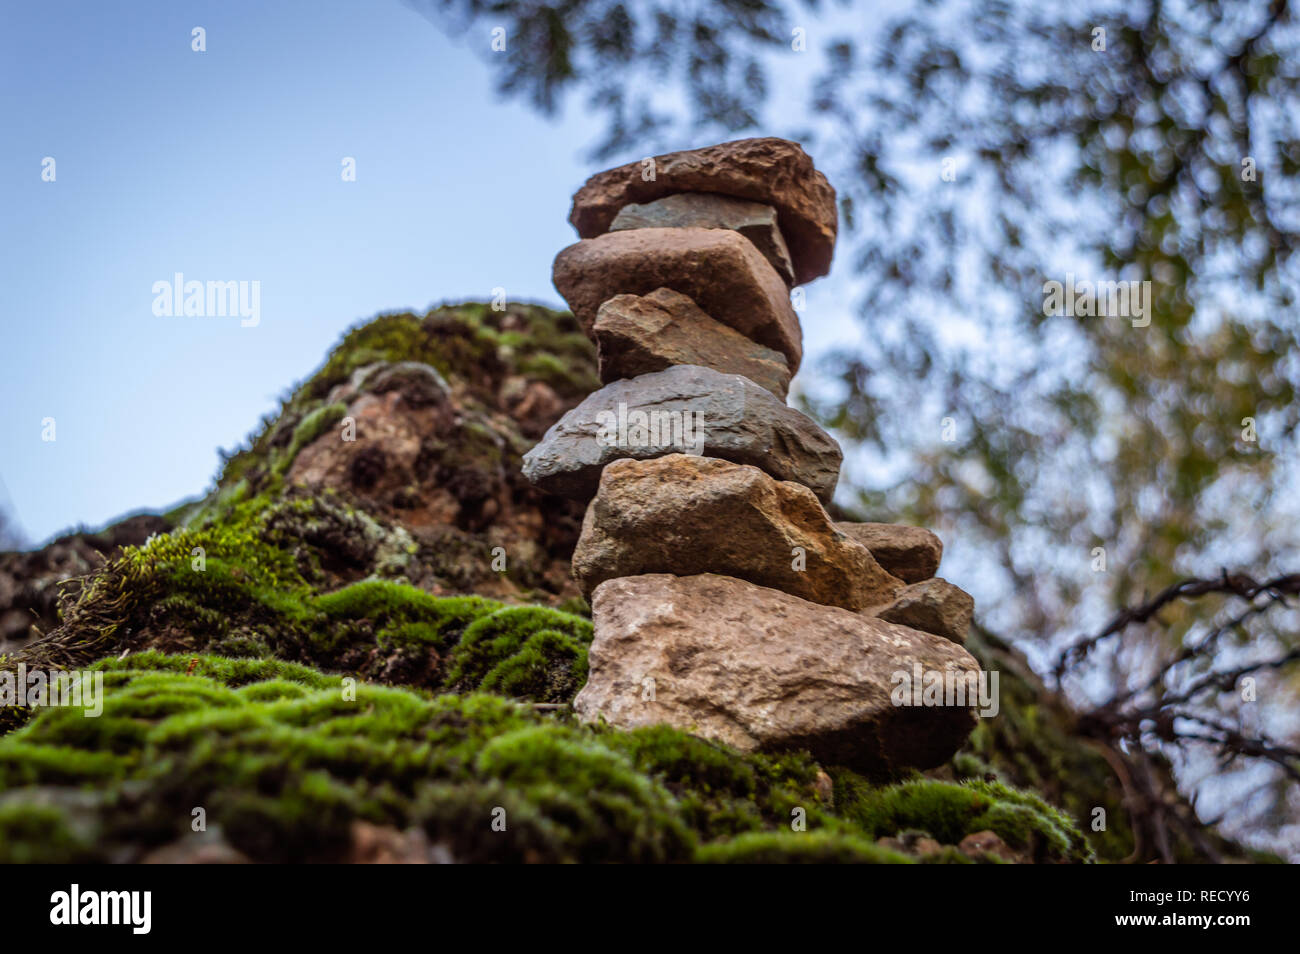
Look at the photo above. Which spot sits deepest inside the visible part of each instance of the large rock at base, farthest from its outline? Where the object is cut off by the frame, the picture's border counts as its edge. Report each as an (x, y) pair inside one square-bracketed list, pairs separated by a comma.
[(776, 172), (683, 410), (687, 515), (703, 210), (639, 334), (934, 606), (910, 553), (765, 671), (720, 271)]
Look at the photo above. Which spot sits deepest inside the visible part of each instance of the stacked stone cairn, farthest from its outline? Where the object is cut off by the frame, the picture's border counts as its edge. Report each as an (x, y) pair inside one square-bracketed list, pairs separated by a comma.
[(726, 601)]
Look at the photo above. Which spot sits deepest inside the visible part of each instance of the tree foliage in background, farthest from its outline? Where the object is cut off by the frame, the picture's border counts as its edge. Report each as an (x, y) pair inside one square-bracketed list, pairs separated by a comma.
[(981, 148)]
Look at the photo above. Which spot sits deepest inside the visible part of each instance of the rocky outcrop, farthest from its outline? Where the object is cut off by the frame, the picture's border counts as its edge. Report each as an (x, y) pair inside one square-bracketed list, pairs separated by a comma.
[(641, 334), (686, 410), (764, 670), (773, 171)]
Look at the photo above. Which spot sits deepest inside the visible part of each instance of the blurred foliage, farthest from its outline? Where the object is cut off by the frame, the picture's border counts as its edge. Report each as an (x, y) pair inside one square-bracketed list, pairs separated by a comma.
[(981, 148)]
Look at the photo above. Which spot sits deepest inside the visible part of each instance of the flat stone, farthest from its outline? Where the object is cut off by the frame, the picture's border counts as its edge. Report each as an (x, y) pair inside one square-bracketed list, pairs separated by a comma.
[(762, 670), (688, 515), (910, 553), (773, 171), (704, 210), (638, 334), (683, 410), (933, 606), (719, 270)]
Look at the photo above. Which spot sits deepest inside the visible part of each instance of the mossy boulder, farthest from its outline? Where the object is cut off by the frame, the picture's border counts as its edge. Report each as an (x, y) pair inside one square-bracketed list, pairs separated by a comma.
[(389, 654)]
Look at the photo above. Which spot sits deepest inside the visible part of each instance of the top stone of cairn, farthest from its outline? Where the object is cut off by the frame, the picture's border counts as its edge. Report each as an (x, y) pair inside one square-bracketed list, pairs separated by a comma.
[(773, 171)]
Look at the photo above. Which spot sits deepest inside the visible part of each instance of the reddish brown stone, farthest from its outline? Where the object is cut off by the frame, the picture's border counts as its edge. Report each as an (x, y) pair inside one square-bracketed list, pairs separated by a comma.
[(638, 334), (769, 170), (721, 271), (708, 210)]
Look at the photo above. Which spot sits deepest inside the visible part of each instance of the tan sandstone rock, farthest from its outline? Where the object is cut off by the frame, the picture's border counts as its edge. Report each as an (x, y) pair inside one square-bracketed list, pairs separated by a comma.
[(910, 553), (687, 515), (935, 606), (640, 334), (763, 670), (774, 171), (721, 271)]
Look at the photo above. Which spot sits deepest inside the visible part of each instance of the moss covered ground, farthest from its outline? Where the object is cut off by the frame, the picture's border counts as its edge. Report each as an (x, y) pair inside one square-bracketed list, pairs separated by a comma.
[(284, 759), (270, 663)]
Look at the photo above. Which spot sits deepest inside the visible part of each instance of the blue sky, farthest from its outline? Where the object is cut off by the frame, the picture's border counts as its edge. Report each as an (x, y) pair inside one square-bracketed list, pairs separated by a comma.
[(224, 165)]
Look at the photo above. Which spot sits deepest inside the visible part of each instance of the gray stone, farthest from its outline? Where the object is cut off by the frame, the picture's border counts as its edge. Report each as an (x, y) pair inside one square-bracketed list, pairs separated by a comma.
[(639, 334), (762, 670), (706, 210), (690, 410)]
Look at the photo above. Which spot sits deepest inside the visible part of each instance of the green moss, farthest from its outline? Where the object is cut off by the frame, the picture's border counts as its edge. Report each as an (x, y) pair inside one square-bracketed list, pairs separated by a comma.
[(285, 759), (618, 813), (549, 667), (493, 639), (808, 848), (719, 793), (398, 601), (469, 343), (247, 586), (949, 812), (312, 426), (1034, 744), (284, 768), (229, 672), (40, 833)]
